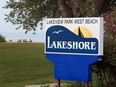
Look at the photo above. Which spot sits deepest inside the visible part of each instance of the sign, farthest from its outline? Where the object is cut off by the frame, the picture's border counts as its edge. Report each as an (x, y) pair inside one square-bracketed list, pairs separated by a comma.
[(74, 35), (74, 43)]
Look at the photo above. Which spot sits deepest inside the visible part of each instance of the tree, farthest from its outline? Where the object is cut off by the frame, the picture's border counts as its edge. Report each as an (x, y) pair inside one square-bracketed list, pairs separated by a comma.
[(28, 13), (106, 69), (2, 38), (110, 23)]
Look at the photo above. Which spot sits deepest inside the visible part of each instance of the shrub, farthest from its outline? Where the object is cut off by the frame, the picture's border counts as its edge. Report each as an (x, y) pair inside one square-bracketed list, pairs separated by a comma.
[(106, 69), (2, 38)]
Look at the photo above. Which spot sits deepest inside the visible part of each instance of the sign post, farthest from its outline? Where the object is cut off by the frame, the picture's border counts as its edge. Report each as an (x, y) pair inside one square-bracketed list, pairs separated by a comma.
[(73, 45), (86, 84), (58, 83)]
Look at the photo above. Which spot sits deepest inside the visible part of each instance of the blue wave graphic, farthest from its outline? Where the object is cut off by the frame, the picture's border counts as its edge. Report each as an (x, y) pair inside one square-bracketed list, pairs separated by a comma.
[(60, 35)]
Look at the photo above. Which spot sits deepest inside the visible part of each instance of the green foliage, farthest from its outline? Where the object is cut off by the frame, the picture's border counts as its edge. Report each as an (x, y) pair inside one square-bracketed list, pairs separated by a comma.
[(106, 69), (88, 9), (2, 38), (28, 13)]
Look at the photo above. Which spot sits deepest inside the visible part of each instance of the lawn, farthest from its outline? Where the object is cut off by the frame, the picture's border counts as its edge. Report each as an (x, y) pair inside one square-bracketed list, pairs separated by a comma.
[(24, 64)]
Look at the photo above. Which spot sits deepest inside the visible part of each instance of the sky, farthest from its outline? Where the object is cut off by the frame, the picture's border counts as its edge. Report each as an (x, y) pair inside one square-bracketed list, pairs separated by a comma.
[(9, 31)]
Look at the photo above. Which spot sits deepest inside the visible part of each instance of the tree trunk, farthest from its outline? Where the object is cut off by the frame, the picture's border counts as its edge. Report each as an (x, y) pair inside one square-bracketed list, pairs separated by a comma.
[(101, 5), (65, 11), (79, 2), (76, 9)]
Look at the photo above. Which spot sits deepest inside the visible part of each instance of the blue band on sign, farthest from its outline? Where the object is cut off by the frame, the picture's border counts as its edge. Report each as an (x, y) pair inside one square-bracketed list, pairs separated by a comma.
[(61, 40)]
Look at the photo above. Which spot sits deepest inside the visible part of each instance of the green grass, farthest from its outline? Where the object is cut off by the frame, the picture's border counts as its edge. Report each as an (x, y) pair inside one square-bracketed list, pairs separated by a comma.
[(24, 64)]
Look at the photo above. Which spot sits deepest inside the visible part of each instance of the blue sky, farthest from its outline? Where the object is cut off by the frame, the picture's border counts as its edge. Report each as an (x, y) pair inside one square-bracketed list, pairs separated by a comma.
[(5, 27), (9, 28)]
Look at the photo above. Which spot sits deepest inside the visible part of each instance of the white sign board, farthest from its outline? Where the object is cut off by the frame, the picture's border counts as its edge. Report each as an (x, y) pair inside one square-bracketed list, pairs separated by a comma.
[(87, 28)]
